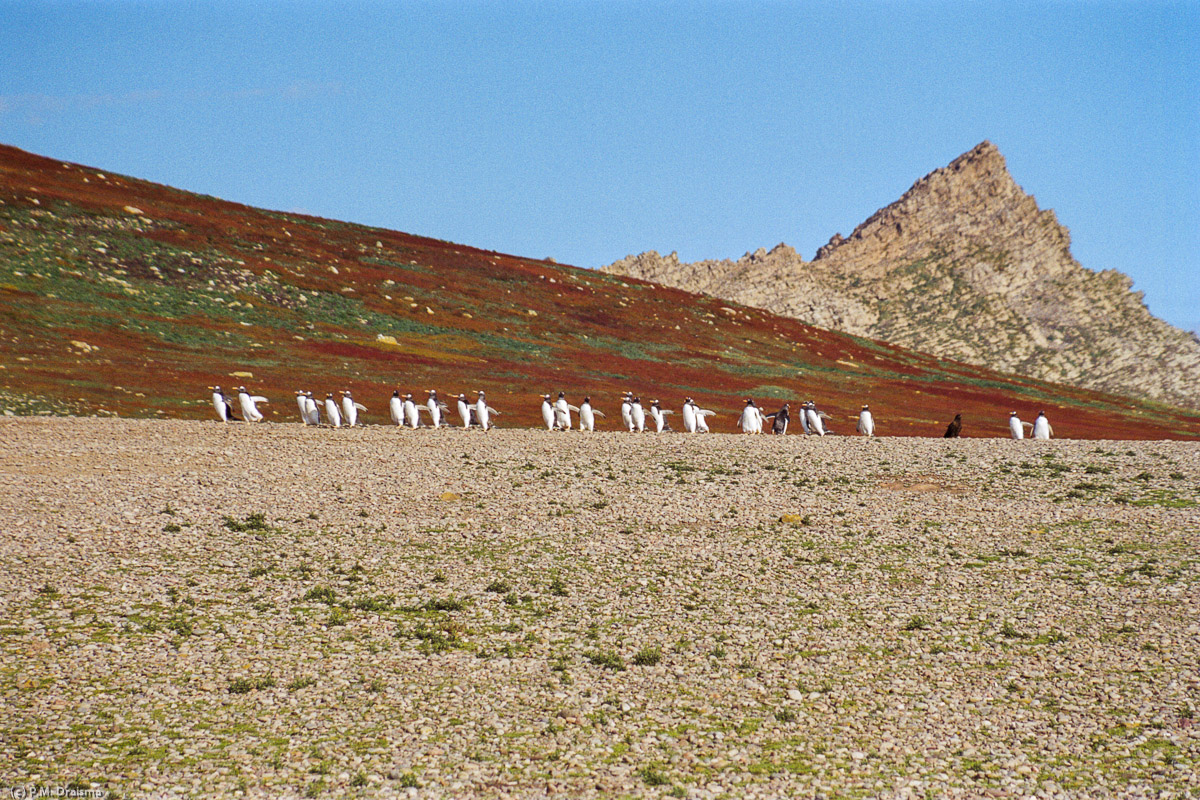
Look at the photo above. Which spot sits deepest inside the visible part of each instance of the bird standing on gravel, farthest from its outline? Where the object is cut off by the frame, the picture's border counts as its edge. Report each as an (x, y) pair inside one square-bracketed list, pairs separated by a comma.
[(562, 412), (1016, 427), (396, 408), (751, 419), (587, 415), (312, 416), (435, 408), (659, 416), (484, 412), (250, 411), (221, 404), (779, 420), (411, 415), (866, 422), (351, 409), (627, 410), (1041, 427), (815, 418), (547, 412), (638, 414), (954, 428), (303, 406), (331, 411), (464, 410)]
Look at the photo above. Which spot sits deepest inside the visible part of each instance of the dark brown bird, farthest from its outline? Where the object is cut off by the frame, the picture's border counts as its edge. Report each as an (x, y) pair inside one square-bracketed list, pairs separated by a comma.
[(953, 429)]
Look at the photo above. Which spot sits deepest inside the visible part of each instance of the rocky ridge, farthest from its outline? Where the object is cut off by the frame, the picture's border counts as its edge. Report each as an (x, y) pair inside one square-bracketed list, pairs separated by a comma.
[(964, 266)]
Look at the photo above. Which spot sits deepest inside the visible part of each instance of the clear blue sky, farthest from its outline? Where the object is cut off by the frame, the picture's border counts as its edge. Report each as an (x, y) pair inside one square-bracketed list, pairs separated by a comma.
[(586, 130)]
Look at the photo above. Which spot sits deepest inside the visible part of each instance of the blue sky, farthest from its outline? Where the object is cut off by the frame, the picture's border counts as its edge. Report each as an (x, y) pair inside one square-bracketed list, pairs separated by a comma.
[(586, 131)]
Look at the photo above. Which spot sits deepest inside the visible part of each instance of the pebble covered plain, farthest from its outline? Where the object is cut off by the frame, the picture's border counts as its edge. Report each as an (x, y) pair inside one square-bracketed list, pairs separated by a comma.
[(195, 609)]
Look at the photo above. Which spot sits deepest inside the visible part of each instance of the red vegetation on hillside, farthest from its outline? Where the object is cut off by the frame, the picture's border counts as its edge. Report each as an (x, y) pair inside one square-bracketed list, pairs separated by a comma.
[(171, 292)]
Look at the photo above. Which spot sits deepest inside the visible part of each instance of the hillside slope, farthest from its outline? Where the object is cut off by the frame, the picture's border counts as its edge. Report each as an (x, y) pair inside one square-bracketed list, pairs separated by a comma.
[(966, 266), (123, 296)]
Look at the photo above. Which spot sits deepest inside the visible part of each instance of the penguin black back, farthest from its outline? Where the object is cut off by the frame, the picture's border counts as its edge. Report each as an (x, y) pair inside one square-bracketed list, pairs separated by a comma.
[(780, 423), (954, 428)]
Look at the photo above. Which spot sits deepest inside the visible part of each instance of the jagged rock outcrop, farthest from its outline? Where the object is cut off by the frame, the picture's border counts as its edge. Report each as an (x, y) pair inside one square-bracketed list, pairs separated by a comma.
[(966, 266)]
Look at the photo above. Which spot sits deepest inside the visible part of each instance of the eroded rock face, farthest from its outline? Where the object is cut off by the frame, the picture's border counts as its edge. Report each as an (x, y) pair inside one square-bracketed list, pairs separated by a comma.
[(966, 266)]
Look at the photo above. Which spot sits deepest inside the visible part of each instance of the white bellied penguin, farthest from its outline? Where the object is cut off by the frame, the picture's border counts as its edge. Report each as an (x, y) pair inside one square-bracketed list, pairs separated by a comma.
[(1041, 427), (221, 405), (412, 416), (587, 415), (659, 416), (484, 412), (627, 410), (250, 412), (396, 408), (351, 408), (435, 408), (1015, 426), (751, 419), (638, 414), (312, 416), (816, 419), (547, 412), (562, 412), (464, 410), (689, 415), (866, 422), (303, 406), (702, 415), (332, 415)]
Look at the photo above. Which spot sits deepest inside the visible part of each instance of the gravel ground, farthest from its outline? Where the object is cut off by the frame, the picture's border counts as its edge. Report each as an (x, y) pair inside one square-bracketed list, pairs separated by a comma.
[(272, 610)]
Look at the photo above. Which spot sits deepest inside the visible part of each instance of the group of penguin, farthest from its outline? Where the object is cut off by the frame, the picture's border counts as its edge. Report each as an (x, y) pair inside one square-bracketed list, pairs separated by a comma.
[(405, 412)]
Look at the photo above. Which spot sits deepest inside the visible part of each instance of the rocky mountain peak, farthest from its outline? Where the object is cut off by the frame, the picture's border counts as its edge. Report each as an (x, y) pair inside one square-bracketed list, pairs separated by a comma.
[(964, 265)]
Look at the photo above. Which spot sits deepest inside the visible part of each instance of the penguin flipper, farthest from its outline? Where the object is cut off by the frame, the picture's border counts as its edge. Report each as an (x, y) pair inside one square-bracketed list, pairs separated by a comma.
[(492, 410), (360, 406), (572, 408), (1028, 425), (597, 412), (664, 411), (259, 399)]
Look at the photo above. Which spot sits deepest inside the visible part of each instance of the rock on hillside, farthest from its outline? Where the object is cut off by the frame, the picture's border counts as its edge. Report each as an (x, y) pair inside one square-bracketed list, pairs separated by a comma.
[(965, 266)]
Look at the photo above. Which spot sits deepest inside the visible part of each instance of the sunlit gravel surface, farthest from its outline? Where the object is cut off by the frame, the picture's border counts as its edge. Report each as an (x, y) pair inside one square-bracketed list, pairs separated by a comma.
[(194, 609)]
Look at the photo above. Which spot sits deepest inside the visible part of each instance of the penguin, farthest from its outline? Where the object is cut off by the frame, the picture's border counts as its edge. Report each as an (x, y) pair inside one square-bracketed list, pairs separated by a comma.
[(815, 423), (484, 413), (221, 404), (627, 410), (464, 411), (689, 415), (548, 413), (396, 408), (866, 422), (804, 419), (660, 417), (311, 415), (702, 415), (351, 409), (434, 407), (411, 415), (638, 414), (1041, 427), (587, 415), (303, 406), (562, 412), (331, 411), (954, 428), (250, 412), (1015, 426), (780, 420), (751, 419)]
